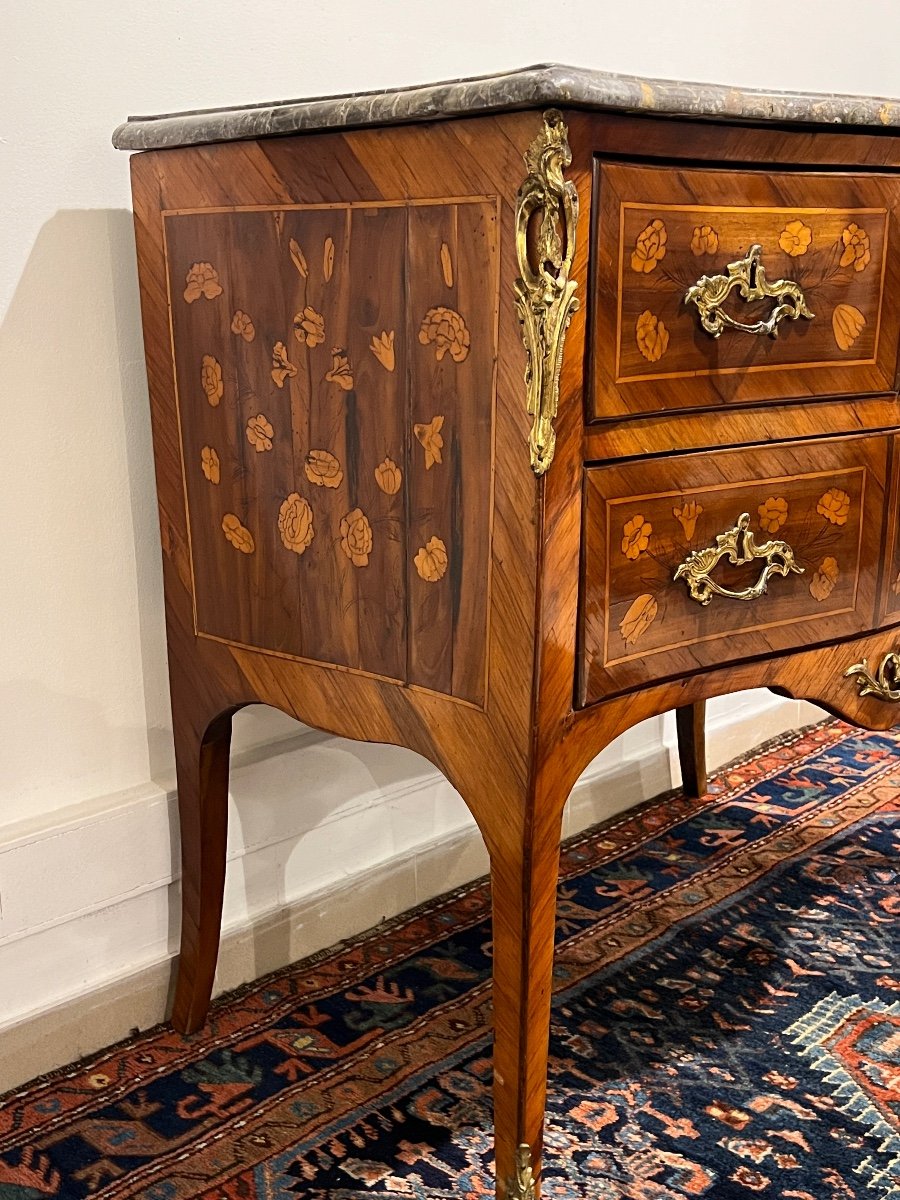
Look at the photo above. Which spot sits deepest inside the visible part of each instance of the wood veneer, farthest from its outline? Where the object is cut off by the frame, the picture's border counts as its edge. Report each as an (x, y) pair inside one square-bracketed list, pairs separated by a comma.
[(471, 652)]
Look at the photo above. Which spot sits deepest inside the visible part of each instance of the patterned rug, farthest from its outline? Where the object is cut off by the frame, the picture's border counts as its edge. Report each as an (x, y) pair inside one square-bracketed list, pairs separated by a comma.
[(726, 1024)]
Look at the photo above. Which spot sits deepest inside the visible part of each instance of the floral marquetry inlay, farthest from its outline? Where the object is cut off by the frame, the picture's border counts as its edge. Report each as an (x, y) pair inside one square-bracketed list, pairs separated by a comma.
[(356, 537), (636, 536), (834, 506), (857, 253), (295, 523), (652, 336), (638, 619), (796, 238), (686, 515), (773, 513), (847, 323), (650, 247), (823, 582), (704, 240), (327, 503), (202, 280)]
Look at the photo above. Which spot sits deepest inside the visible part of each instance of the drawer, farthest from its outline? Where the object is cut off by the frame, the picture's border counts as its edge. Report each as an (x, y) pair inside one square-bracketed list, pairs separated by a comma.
[(826, 240), (661, 596)]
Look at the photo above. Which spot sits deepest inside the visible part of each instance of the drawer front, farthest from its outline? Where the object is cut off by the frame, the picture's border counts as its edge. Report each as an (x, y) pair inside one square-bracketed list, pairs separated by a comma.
[(661, 596), (828, 246)]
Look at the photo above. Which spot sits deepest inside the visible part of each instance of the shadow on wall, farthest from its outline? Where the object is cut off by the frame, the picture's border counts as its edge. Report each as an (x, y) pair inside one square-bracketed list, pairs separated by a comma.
[(80, 517)]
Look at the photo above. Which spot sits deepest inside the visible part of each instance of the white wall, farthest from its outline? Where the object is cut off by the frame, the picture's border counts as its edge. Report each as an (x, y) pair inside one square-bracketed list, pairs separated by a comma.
[(84, 715)]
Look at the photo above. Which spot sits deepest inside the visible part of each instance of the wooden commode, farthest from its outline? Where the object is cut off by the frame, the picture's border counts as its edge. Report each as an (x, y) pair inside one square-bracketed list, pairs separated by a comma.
[(493, 417)]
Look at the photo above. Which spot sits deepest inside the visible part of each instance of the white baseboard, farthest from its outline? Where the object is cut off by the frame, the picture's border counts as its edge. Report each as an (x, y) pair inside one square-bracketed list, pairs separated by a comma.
[(327, 838)]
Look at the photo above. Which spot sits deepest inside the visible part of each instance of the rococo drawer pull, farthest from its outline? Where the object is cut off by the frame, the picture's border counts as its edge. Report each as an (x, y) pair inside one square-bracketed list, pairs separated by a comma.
[(748, 275), (885, 683), (739, 547)]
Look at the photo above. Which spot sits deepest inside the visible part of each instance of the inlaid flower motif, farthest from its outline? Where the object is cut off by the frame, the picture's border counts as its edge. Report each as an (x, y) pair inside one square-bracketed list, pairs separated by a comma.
[(388, 476), (243, 326), (295, 523), (323, 469), (773, 513), (356, 537), (652, 336), (239, 535), (328, 258), (298, 258), (260, 433), (431, 440), (686, 515), (309, 327), (649, 247), (795, 239), (340, 372), (282, 368), (834, 506), (446, 264), (822, 583), (640, 616), (211, 379), (431, 560), (209, 464), (705, 240), (636, 536), (383, 349), (857, 253), (202, 280), (446, 329), (846, 324)]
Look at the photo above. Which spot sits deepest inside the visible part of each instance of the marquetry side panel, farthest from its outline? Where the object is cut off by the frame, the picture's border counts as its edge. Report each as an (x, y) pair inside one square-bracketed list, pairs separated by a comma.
[(822, 501), (661, 231), (335, 379)]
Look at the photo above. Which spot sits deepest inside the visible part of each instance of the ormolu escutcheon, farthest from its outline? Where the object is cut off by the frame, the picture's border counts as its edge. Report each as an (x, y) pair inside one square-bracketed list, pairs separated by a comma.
[(748, 275), (738, 546)]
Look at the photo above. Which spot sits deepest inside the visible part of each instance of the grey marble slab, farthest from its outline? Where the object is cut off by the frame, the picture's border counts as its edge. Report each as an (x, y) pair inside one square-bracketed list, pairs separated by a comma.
[(549, 84)]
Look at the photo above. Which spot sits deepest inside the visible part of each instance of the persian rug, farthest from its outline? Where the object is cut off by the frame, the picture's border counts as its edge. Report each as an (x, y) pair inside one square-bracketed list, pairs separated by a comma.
[(726, 1025)]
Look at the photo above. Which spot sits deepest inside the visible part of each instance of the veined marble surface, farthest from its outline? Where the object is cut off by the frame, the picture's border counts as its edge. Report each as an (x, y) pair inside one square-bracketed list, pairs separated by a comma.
[(544, 85)]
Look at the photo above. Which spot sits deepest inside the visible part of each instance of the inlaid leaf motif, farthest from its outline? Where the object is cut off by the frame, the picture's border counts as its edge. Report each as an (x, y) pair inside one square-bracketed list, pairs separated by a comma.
[(243, 326), (796, 238), (340, 372), (823, 582), (239, 535), (388, 476), (895, 586), (383, 349), (309, 327), (356, 537), (328, 258), (686, 515), (649, 247), (431, 560), (857, 253), (636, 536), (446, 265), (211, 379), (446, 330), (640, 616), (773, 513), (834, 506), (260, 433), (323, 469), (431, 440), (209, 464), (298, 258), (652, 336), (705, 240), (847, 324), (202, 280), (282, 368), (295, 523)]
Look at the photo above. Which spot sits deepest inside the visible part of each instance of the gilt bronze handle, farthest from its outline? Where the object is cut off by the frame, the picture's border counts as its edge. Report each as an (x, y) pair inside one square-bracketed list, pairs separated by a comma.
[(738, 546), (748, 275), (885, 683)]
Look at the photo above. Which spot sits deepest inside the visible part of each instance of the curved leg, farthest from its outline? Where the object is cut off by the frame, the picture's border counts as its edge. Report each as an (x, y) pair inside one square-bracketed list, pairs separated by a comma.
[(524, 875), (690, 724), (201, 764)]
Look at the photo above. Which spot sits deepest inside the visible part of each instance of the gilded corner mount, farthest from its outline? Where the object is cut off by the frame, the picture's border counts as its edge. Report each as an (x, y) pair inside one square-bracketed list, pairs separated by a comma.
[(546, 216), (522, 1184)]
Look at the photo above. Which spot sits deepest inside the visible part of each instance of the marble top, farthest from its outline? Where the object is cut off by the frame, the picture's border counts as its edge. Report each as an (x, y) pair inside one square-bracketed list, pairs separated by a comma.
[(548, 84)]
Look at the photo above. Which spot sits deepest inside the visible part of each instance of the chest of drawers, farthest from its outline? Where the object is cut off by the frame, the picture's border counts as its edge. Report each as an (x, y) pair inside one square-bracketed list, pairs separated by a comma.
[(494, 417)]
